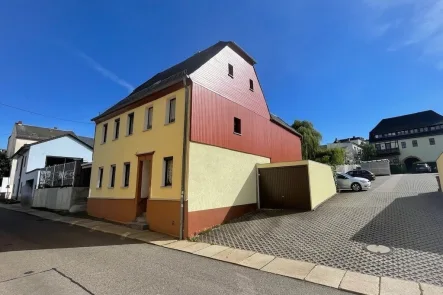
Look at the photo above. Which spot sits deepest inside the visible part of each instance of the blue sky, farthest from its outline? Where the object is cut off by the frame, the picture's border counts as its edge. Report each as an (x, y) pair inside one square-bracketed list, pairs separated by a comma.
[(342, 64)]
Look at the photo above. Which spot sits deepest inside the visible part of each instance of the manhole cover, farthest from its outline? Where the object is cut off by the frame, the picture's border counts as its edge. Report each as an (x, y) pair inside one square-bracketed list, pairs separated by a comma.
[(378, 249)]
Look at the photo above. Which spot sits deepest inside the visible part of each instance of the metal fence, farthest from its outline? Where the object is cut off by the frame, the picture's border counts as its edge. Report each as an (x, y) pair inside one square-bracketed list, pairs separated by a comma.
[(58, 175)]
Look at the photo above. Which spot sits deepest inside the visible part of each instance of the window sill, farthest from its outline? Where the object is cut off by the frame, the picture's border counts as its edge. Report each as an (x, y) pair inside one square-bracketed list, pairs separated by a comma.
[(166, 186), (124, 187), (127, 135), (114, 139), (232, 76), (251, 89), (169, 123), (239, 134), (110, 187), (147, 129), (98, 188)]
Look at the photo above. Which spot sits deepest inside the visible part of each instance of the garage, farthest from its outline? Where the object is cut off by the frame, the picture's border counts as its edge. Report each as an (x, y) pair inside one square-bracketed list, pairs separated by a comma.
[(301, 185)]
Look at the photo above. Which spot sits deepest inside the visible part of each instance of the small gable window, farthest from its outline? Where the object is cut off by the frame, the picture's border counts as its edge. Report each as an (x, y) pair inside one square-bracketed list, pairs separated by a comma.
[(237, 126), (231, 70), (251, 85)]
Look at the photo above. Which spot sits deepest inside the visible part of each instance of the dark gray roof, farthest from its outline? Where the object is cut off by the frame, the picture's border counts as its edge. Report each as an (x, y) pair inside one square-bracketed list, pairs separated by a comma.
[(411, 121), (174, 74), (89, 141), (285, 125), (38, 133)]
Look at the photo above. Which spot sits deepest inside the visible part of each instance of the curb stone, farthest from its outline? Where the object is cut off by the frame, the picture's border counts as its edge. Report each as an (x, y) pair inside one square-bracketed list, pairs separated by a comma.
[(357, 283)]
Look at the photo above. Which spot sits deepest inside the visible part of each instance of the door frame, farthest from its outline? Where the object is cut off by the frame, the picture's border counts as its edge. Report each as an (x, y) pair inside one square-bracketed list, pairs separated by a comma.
[(141, 203)]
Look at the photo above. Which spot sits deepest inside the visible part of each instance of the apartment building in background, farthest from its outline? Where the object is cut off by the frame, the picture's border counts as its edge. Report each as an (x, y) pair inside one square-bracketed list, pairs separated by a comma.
[(352, 147), (181, 150), (409, 138)]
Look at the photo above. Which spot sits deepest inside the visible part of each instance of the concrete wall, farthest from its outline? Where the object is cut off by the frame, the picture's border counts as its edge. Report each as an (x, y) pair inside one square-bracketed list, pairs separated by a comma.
[(321, 183), (346, 168), (60, 198), (440, 170), (61, 147), (220, 177)]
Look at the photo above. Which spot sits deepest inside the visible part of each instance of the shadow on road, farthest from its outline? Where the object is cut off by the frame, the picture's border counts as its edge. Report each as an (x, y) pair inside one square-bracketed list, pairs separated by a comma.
[(410, 222), (19, 231)]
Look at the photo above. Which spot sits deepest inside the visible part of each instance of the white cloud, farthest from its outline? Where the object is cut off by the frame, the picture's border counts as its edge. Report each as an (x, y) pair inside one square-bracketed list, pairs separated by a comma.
[(421, 25), (103, 71)]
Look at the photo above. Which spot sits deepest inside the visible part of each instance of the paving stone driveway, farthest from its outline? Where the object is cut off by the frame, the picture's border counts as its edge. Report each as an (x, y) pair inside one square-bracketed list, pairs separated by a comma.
[(403, 212)]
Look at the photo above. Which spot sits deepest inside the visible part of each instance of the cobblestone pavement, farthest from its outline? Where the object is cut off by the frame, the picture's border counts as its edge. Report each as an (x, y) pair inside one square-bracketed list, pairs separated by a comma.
[(403, 212)]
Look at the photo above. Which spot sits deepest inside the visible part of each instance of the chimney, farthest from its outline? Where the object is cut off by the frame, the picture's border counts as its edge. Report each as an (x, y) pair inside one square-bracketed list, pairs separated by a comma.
[(19, 123)]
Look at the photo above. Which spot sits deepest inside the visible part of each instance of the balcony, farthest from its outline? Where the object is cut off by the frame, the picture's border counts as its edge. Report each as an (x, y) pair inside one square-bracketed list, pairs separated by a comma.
[(386, 152)]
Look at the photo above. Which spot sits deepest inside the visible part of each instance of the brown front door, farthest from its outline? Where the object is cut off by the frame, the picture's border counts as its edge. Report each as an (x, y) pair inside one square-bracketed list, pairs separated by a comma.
[(144, 172)]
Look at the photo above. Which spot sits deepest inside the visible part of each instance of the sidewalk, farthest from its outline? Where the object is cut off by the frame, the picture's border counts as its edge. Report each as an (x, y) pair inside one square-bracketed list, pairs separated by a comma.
[(327, 276)]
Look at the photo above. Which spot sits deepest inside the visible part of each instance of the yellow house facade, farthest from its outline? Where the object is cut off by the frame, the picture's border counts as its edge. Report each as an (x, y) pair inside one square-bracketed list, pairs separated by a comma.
[(143, 151)]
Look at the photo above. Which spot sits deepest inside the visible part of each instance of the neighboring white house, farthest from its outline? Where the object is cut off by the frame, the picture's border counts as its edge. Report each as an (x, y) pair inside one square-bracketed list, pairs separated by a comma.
[(352, 147), (31, 158), (410, 138), (26, 134)]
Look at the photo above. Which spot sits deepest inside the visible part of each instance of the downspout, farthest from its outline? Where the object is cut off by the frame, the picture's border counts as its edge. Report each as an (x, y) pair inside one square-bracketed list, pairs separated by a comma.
[(184, 158)]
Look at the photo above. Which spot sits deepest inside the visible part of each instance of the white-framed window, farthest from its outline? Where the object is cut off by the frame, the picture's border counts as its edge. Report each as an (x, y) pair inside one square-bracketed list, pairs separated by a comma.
[(126, 174), (170, 111), (116, 128), (112, 176), (100, 177), (168, 163), (432, 141), (414, 143), (104, 132), (149, 113), (130, 124)]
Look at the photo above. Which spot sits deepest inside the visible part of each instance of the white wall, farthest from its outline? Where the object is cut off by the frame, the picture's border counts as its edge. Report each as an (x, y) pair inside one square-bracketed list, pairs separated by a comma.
[(15, 146), (60, 147), (424, 151)]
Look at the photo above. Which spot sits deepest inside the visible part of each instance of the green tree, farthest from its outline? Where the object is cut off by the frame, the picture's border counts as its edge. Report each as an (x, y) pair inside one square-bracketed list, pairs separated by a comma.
[(5, 165), (333, 157), (311, 138), (368, 152)]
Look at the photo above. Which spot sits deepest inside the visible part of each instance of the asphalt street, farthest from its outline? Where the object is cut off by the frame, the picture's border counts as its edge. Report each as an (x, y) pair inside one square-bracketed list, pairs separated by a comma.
[(39, 256)]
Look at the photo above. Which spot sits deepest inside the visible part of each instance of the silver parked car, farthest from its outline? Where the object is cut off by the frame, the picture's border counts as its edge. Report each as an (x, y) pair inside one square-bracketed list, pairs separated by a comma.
[(347, 182)]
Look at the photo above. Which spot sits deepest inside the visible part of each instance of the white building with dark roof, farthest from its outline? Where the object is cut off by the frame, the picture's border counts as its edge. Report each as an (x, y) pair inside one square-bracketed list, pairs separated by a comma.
[(22, 135), (410, 138)]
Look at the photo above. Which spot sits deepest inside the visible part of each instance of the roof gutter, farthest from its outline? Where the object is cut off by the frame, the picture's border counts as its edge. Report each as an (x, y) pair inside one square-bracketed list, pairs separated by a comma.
[(184, 160)]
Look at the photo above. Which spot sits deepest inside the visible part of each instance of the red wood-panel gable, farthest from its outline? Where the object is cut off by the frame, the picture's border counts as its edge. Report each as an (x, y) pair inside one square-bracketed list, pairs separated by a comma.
[(214, 76), (212, 123)]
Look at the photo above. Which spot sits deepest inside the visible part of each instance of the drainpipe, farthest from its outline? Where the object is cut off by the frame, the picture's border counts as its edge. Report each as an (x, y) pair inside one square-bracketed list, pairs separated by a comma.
[(184, 157)]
